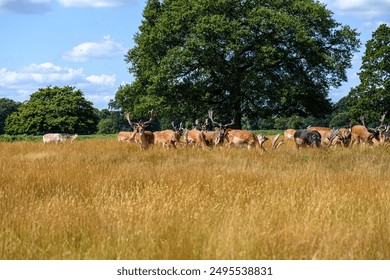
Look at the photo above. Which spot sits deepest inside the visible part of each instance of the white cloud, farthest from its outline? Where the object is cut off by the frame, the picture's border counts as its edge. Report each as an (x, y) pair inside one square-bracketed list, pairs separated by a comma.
[(361, 8), (96, 3), (105, 48), (18, 85), (101, 79)]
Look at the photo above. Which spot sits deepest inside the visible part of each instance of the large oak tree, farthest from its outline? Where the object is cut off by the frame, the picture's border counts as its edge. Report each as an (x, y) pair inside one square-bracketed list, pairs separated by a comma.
[(253, 57)]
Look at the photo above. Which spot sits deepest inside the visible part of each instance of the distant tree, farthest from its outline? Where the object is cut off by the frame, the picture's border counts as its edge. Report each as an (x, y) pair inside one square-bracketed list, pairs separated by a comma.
[(256, 58), (371, 97), (7, 106), (340, 116), (54, 109), (112, 122)]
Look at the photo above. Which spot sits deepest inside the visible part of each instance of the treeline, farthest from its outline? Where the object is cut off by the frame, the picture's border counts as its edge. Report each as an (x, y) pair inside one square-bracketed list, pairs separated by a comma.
[(266, 66)]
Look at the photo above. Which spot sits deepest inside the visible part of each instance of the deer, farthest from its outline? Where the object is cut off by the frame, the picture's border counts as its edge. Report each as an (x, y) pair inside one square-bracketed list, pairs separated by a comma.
[(343, 138), (168, 137), (386, 135), (53, 137), (384, 130), (305, 138), (196, 135), (144, 138), (325, 132), (236, 137), (124, 136), (289, 134), (362, 133), (216, 137), (71, 137)]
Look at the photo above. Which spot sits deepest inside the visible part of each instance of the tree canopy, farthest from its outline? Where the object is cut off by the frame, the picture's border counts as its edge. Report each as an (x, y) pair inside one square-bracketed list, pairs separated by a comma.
[(253, 58), (54, 109), (371, 97), (7, 106)]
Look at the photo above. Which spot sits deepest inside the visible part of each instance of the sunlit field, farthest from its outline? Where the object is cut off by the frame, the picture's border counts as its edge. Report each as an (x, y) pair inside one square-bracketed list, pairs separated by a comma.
[(101, 199)]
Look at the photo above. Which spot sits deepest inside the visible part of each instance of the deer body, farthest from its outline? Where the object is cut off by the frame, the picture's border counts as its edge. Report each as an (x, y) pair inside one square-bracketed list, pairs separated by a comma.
[(235, 137), (360, 133), (304, 138), (168, 138), (53, 137), (125, 136), (214, 138), (289, 134), (343, 138), (195, 137)]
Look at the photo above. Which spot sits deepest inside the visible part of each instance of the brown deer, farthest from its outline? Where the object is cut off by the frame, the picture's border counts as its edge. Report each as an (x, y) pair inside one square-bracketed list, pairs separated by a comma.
[(196, 135), (386, 135), (235, 137), (144, 138), (169, 138), (125, 136), (364, 134), (384, 130), (289, 134), (343, 138), (216, 137)]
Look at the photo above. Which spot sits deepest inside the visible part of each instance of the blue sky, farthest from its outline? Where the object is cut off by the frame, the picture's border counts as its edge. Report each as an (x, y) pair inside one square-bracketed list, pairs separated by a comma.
[(82, 43)]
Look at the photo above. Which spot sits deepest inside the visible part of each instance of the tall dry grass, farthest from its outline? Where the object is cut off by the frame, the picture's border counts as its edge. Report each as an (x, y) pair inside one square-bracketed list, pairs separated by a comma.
[(100, 199)]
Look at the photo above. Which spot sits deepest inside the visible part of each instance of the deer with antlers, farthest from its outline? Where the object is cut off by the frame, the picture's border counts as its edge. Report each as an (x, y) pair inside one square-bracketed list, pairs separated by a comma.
[(196, 135), (216, 137), (364, 134), (384, 130), (342, 138), (236, 137), (169, 138), (144, 138)]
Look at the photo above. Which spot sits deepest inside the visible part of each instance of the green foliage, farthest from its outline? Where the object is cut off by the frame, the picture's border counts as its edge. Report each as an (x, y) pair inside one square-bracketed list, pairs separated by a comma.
[(17, 138), (112, 122), (371, 97), (7, 106), (106, 126), (54, 109), (248, 57), (340, 116)]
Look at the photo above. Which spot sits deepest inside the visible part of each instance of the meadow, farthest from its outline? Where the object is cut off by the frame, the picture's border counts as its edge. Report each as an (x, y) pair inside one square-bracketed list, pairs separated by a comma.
[(101, 199)]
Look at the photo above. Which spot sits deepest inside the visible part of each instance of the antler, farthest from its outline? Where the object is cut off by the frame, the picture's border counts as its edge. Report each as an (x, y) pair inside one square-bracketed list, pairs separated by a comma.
[(275, 139), (211, 118), (127, 115), (219, 124), (362, 120), (382, 119), (177, 128), (151, 118), (334, 134)]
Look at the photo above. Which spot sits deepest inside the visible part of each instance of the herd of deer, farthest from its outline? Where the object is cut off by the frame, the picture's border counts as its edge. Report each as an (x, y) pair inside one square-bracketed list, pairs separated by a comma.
[(346, 137), (199, 136)]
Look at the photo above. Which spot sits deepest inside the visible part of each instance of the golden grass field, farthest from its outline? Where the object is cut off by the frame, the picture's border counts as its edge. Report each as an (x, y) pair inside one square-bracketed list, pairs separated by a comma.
[(101, 199)]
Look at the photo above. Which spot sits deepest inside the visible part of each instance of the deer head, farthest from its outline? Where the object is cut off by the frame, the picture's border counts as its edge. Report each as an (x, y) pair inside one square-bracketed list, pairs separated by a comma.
[(139, 127)]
